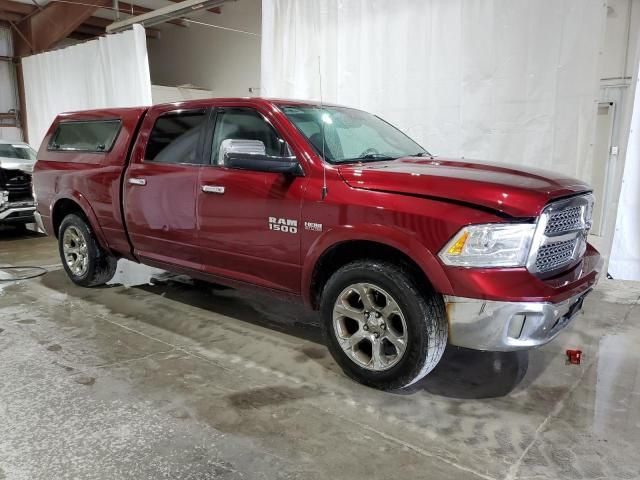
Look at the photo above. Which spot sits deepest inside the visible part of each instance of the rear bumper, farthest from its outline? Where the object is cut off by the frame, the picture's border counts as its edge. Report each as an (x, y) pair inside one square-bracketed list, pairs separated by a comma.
[(508, 326)]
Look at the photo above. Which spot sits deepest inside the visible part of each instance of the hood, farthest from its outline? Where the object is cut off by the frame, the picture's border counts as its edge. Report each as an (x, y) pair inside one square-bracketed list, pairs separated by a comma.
[(511, 190), (17, 164)]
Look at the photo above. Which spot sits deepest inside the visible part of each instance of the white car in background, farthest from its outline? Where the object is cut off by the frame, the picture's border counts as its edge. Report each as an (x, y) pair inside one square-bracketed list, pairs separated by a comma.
[(17, 204)]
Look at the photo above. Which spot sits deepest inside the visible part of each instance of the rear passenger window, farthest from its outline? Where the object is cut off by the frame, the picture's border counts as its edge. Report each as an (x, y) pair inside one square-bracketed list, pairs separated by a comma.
[(85, 136), (175, 137)]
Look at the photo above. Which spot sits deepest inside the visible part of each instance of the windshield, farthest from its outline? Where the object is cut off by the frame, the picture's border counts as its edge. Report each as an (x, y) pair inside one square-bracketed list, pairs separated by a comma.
[(17, 150), (351, 135)]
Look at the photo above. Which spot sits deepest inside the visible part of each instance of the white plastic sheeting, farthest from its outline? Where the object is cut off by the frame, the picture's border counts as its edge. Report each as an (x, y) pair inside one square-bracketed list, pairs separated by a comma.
[(8, 92), (624, 262), (112, 71), (500, 80)]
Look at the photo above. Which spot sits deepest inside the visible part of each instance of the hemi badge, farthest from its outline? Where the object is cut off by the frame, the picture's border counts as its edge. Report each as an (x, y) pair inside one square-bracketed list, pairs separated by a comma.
[(315, 227)]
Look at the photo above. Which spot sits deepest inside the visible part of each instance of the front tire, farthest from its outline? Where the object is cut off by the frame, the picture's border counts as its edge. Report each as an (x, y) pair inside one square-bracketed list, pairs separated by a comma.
[(84, 260), (381, 327)]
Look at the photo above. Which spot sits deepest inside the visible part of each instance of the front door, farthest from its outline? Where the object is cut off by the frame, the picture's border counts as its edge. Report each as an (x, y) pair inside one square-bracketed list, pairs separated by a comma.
[(161, 186), (249, 221)]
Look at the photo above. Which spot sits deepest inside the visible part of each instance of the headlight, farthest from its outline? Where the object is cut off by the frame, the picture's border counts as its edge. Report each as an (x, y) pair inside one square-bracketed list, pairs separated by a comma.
[(490, 245), (4, 197)]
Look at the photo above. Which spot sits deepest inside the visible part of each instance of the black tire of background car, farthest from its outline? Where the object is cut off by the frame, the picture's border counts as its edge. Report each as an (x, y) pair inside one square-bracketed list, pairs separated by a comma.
[(102, 265), (425, 315)]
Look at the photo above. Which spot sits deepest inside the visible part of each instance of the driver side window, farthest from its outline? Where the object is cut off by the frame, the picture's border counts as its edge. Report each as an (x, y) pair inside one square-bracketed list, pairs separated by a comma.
[(248, 125)]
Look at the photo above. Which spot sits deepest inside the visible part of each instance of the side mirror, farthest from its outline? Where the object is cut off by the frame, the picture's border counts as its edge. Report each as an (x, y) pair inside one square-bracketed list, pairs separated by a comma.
[(251, 155)]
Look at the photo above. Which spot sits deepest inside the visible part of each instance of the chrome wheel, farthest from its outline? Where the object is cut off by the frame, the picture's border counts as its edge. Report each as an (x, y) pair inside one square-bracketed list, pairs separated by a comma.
[(370, 326), (76, 252)]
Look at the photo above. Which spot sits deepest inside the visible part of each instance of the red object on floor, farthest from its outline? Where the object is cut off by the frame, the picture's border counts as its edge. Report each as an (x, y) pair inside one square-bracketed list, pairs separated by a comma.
[(574, 356)]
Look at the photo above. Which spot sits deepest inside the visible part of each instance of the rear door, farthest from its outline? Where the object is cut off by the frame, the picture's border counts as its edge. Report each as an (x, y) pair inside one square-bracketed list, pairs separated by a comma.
[(161, 185), (249, 220)]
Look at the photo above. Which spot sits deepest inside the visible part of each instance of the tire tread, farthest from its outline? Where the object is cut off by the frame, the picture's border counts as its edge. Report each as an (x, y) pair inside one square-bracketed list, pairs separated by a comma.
[(102, 265), (428, 302)]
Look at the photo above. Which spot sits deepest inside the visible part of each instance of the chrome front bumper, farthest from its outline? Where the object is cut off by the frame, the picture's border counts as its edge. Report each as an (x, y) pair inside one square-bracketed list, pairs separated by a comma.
[(39, 222), (507, 326), (16, 210)]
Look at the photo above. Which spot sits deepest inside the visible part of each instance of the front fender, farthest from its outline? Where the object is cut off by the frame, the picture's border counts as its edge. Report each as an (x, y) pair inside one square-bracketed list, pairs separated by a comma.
[(401, 240)]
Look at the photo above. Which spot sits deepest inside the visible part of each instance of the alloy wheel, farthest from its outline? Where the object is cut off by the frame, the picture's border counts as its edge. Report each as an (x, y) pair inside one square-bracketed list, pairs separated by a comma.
[(76, 252), (370, 326)]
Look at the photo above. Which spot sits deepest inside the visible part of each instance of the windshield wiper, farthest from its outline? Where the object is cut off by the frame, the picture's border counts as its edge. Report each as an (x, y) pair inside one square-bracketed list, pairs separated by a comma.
[(422, 154), (369, 157)]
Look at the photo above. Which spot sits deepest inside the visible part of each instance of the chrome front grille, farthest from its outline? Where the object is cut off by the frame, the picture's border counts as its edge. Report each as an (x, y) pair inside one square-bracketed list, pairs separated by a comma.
[(560, 238), (17, 183), (564, 221), (555, 255)]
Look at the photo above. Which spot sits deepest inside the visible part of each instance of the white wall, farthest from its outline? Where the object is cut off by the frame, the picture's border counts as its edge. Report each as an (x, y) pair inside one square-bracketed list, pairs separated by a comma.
[(223, 61), (623, 21), (625, 255), (162, 94), (618, 67), (619, 70)]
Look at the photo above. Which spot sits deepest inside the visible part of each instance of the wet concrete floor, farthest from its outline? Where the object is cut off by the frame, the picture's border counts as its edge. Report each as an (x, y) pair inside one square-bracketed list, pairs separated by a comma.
[(176, 381)]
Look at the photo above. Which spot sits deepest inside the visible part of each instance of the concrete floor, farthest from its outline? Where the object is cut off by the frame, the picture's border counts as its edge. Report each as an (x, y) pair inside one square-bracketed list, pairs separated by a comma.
[(183, 382)]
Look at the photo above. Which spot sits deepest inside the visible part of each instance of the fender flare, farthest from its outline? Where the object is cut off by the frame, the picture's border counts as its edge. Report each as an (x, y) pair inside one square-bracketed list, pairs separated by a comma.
[(403, 241), (84, 205)]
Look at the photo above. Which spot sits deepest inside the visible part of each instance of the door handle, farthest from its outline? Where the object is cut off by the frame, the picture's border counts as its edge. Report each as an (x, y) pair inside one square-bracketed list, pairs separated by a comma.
[(213, 189), (137, 181)]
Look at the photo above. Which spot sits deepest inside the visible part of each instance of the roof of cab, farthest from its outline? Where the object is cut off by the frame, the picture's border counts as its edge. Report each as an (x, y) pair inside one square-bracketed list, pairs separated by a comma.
[(103, 112), (246, 100), (199, 103)]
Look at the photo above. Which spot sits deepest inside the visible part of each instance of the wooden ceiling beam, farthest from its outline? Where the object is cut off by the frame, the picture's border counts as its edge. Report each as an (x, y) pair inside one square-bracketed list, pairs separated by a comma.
[(89, 30), (16, 7), (10, 16), (82, 37), (20, 14), (27, 9), (52, 23)]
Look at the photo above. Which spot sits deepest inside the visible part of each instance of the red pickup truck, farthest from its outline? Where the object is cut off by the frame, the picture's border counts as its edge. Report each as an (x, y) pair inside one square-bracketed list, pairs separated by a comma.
[(400, 251)]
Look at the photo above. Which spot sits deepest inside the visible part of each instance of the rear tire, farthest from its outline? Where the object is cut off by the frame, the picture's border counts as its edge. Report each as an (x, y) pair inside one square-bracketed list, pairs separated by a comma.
[(84, 260), (392, 338)]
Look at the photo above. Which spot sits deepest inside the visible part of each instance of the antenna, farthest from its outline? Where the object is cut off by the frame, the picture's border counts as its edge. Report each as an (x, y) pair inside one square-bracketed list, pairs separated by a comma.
[(325, 191)]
